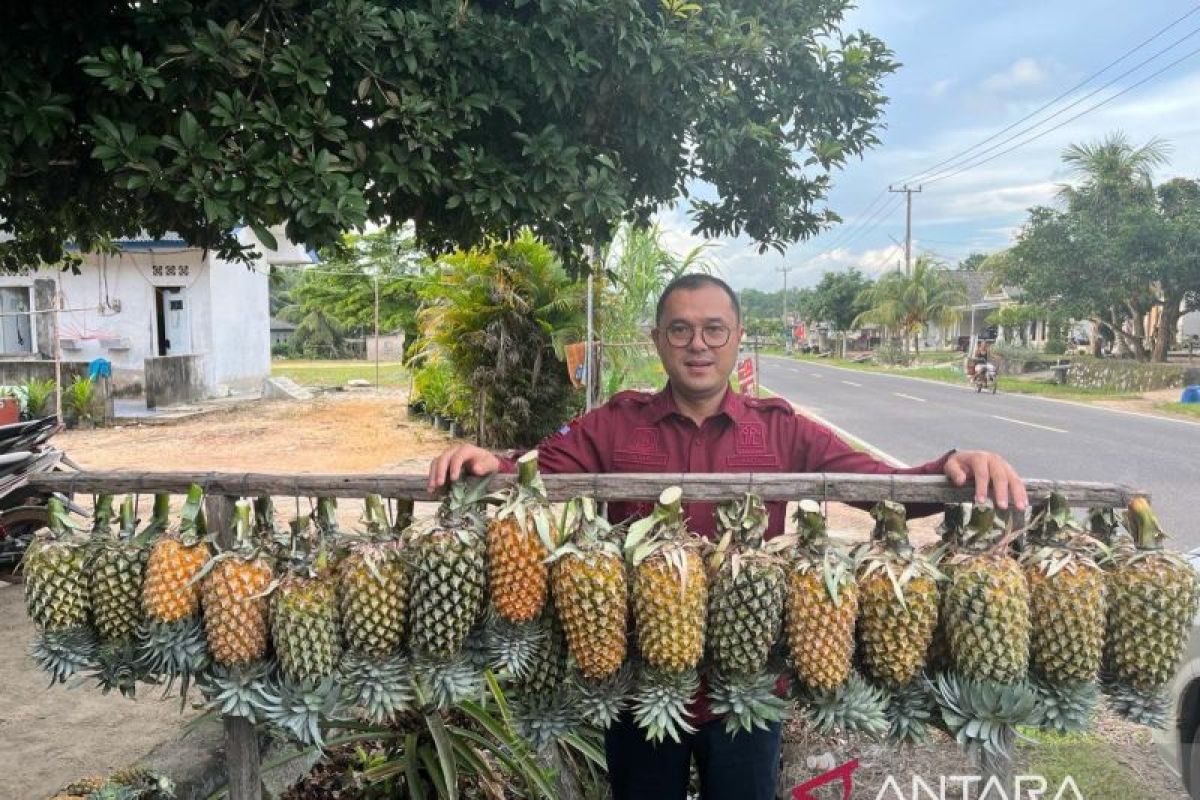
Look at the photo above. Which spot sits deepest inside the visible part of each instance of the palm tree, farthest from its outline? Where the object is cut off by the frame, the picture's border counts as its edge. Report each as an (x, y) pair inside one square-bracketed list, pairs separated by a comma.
[(1112, 172), (909, 302)]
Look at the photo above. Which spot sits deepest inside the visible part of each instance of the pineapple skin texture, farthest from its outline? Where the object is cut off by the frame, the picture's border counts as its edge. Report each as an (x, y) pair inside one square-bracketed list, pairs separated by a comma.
[(374, 610), (1068, 615), (895, 639), (519, 574), (448, 593), (1153, 602), (304, 627), (591, 597), (987, 608), (745, 616), (56, 585), (820, 635), (670, 618), (166, 593), (235, 617), (116, 574)]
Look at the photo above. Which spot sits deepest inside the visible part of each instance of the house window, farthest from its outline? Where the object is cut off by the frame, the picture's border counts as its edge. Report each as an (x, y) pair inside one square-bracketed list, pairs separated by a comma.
[(16, 324)]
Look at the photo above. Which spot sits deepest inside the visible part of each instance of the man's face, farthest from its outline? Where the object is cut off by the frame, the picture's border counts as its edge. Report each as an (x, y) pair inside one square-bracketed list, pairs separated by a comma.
[(700, 368)]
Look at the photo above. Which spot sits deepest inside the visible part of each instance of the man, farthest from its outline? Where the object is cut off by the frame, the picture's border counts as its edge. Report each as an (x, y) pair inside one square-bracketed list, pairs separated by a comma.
[(697, 424)]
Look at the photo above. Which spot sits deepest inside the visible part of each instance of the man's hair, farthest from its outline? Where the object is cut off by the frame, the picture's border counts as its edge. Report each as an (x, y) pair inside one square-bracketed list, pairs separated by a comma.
[(691, 282)]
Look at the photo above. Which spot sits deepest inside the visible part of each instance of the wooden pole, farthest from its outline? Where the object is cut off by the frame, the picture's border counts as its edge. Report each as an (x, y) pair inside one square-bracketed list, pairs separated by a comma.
[(841, 487), (58, 394), (242, 760)]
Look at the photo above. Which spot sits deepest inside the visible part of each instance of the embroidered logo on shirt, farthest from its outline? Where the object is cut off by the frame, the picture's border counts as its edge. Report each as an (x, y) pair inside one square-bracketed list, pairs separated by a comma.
[(644, 449), (750, 447)]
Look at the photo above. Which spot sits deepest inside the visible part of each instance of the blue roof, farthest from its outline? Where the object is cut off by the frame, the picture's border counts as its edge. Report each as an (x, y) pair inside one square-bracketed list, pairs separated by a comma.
[(140, 244)]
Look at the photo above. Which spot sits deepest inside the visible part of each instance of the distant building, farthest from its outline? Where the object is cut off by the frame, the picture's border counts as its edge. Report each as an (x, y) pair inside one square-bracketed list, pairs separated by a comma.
[(281, 331)]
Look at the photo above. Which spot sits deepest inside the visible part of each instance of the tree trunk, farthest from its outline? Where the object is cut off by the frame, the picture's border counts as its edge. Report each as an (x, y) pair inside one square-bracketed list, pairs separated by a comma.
[(1168, 321), (1138, 316)]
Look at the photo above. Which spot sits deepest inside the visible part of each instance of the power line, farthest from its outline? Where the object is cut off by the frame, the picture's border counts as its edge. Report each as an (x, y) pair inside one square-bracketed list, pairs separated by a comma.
[(935, 176), (845, 232), (1065, 122), (869, 225), (933, 170)]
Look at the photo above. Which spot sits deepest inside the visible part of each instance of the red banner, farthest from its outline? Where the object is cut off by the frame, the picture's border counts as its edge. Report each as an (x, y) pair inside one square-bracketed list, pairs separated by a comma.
[(746, 376)]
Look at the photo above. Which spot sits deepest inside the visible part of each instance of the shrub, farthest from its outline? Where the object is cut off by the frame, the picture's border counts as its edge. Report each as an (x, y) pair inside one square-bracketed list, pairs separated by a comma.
[(38, 396), (80, 399)]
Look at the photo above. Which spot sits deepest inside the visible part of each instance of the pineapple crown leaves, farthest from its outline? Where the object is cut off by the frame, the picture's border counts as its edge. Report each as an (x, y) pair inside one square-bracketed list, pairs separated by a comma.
[(462, 509), (160, 519), (526, 499), (244, 546), (813, 534), (664, 525), (585, 529), (102, 515), (743, 524), (983, 716), (1103, 523), (891, 552), (192, 528), (1143, 525)]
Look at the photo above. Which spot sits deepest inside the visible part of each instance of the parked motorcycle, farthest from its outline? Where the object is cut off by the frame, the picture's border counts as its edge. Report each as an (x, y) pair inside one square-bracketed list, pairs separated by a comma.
[(24, 451)]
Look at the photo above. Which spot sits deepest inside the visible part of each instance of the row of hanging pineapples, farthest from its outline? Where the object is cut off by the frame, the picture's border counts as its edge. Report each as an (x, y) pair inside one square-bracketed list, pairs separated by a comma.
[(989, 630)]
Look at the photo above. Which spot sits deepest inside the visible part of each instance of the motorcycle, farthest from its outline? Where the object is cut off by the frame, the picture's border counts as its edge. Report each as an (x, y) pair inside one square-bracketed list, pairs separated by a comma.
[(983, 376), (24, 451)]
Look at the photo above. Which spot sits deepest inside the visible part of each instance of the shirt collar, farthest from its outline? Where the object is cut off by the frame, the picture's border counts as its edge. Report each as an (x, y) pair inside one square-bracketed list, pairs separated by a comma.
[(733, 405)]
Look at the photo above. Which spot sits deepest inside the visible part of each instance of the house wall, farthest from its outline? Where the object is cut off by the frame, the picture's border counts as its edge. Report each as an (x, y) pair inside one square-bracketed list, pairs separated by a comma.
[(391, 347), (240, 325), (1189, 325)]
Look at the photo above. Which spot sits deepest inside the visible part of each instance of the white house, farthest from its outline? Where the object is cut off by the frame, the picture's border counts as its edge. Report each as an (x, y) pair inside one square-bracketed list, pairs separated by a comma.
[(175, 322)]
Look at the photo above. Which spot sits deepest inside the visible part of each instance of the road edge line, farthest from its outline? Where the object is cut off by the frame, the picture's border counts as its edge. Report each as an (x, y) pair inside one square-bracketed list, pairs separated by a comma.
[(842, 433)]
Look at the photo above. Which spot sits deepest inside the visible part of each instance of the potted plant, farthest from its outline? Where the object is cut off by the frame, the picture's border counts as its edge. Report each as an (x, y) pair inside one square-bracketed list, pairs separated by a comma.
[(39, 395), (80, 402), (10, 406)]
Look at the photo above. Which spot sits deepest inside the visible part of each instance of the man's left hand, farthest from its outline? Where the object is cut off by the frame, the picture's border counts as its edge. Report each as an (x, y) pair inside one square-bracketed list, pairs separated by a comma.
[(993, 476)]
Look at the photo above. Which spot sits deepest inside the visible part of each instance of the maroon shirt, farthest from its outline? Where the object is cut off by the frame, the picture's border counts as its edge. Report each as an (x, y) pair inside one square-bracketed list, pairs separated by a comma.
[(643, 432)]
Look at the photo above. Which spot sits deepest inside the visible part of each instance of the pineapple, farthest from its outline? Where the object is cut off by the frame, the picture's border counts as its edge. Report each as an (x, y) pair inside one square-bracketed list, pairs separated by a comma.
[(233, 598), (1067, 600), (373, 589), (171, 637), (670, 595), (822, 605), (117, 567), (1153, 602), (897, 601), (987, 606), (449, 584), (591, 593), (57, 596), (543, 708), (519, 540), (747, 585)]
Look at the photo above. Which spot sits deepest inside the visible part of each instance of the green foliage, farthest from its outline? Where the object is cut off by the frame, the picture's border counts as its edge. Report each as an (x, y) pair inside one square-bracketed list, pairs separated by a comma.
[(432, 385), (318, 335), (906, 303), (38, 397), (80, 399), (973, 262), (500, 317), (839, 299), (472, 119)]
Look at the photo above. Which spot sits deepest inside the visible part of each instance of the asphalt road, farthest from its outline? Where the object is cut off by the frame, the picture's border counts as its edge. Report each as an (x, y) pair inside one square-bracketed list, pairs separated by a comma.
[(915, 421)]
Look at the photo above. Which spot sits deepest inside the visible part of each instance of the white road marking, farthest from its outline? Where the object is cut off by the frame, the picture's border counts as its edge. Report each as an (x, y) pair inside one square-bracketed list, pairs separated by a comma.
[(845, 435), (909, 397), (1030, 424), (816, 375), (852, 383)]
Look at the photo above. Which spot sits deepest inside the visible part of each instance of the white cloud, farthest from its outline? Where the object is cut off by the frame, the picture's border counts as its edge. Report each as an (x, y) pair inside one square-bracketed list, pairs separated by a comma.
[(939, 88), (1022, 74)]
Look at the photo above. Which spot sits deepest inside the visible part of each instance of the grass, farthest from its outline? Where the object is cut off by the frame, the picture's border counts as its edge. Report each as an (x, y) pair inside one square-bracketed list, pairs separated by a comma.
[(337, 373), (1186, 409), (1087, 759), (1007, 383)]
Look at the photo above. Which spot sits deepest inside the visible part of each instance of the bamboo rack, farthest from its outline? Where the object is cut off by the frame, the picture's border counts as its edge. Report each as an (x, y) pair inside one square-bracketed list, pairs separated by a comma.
[(243, 759)]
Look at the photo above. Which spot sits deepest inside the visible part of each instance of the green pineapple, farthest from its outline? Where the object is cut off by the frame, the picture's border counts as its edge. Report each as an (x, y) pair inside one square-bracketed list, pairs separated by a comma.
[(373, 588), (450, 580)]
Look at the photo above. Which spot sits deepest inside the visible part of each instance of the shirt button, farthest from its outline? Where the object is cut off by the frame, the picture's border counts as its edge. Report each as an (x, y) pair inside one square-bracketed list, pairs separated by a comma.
[(698, 443)]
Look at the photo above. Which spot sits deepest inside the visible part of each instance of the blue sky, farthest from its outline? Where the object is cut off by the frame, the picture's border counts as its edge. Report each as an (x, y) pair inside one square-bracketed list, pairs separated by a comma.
[(970, 69)]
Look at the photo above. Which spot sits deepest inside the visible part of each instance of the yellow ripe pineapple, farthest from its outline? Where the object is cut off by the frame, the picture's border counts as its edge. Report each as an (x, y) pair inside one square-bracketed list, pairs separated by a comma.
[(670, 598), (822, 606), (898, 601), (234, 598), (591, 593), (519, 540)]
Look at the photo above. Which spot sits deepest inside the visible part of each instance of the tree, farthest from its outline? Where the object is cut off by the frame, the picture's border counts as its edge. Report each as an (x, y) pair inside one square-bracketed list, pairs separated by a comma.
[(972, 263), (1115, 249), (500, 316), (473, 120), (908, 302), (343, 285), (836, 300)]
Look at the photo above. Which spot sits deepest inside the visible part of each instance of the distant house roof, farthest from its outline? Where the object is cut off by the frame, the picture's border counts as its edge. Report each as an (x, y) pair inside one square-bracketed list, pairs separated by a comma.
[(979, 291), (281, 325)]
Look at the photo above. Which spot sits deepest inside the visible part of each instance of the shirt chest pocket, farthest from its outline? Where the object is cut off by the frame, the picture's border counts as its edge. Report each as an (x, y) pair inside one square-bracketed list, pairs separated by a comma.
[(641, 452)]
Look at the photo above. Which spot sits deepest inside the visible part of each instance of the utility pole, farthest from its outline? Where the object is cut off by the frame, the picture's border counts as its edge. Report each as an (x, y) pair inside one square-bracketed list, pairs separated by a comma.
[(787, 332), (907, 225)]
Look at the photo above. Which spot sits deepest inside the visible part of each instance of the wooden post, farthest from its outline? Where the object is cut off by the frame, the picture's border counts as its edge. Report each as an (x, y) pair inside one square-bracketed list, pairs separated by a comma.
[(242, 761)]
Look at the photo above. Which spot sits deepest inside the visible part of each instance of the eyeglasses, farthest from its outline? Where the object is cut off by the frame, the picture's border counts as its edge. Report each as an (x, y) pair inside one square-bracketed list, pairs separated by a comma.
[(681, 335)]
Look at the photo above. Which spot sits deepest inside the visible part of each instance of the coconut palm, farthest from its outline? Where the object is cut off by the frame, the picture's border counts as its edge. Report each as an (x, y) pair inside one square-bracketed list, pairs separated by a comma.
[(902, 302), (1112, 173)]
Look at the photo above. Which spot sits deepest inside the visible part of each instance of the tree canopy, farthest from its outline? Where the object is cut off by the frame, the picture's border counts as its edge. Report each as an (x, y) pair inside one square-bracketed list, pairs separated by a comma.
[(471, 119)]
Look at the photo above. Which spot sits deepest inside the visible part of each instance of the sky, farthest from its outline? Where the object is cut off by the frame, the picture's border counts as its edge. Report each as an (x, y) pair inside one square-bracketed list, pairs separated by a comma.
[(970, 69)]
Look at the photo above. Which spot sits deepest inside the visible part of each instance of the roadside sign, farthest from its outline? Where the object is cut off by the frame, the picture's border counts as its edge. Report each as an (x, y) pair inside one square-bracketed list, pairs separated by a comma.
[(746, 376)]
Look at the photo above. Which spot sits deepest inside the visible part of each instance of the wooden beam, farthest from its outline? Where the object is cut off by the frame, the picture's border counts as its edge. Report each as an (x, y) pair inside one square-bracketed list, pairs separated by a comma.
[(614, 486), (243, 763)]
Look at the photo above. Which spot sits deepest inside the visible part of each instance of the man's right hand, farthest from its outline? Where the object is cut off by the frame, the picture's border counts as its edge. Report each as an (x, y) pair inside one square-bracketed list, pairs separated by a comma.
[(456, 461)]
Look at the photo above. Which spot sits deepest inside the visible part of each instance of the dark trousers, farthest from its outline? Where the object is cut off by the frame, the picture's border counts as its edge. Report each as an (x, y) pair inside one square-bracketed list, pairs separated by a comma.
[(741, 766)]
